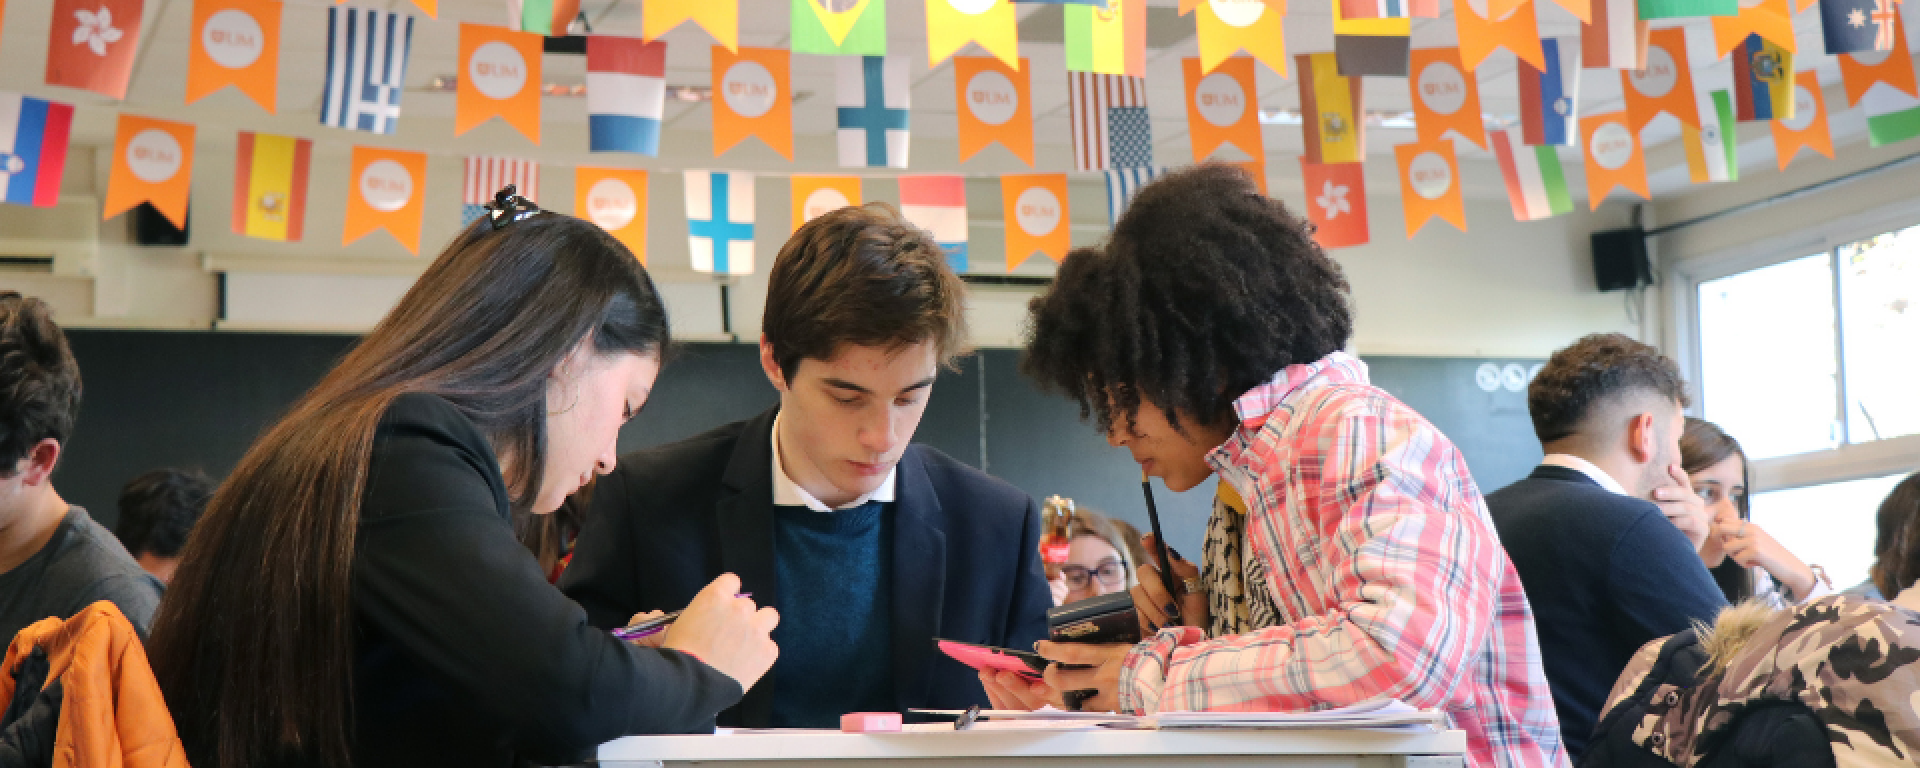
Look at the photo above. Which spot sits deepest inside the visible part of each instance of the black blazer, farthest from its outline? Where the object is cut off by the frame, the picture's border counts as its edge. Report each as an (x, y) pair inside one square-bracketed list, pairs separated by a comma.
[(966, 555), (466, 655), (1605, 574)]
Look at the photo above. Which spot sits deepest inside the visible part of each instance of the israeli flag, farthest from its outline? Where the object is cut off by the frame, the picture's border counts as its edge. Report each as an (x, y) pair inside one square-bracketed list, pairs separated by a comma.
[(366, 68), (873, 95), (720, 221)]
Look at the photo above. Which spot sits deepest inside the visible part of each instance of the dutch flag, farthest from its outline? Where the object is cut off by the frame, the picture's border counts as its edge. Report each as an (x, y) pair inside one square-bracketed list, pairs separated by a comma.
[(720, 221), (873, 95), (366, 68), (626, 94), (33, 148), (938, 204)]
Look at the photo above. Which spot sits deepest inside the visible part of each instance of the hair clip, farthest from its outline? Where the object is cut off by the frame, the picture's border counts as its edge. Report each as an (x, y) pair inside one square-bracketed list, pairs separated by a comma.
[(508, 207)]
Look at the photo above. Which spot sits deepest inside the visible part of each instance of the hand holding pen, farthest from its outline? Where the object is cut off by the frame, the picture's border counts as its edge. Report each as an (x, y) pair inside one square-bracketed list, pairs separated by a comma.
[(725, 631), (649, 628)]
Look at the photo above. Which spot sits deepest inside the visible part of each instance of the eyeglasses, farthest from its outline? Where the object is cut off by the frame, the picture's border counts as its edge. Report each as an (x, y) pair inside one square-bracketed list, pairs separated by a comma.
[(508, 207), (1109, 572)]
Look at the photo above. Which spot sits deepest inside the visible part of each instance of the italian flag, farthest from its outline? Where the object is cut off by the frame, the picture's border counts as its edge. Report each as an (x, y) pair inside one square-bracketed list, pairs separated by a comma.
[(1536, 186), (1892, 115)]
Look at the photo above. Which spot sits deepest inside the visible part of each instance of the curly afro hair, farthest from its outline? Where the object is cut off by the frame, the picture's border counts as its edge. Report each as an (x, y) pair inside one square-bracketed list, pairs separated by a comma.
[(1205, 290), (1592, 371)]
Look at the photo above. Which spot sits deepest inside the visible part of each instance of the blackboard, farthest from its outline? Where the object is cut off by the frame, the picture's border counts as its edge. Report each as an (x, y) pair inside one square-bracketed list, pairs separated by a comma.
[(198, 399)]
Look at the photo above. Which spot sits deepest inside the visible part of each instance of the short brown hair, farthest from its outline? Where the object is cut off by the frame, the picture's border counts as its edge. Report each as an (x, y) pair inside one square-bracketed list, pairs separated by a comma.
[(861, 275), (1595, 370), (39, 380)]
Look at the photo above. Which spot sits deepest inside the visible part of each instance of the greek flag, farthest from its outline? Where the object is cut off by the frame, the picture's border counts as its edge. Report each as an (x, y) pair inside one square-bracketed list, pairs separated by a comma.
[(366, 68), (1121, 184)]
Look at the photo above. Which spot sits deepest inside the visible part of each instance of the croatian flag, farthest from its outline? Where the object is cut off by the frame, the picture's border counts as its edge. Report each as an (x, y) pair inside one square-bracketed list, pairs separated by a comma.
[(1549, 99), (33, 148), (873, 95), (1110, 124), (938, 204), (486, 175), (366, 68), (626, 93), (720, 221), (1121, 184)]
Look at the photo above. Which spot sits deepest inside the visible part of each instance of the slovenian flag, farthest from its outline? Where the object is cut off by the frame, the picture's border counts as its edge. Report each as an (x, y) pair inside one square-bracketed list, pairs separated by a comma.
[(1549, 100), (33, 148), (720, 221), (1762, 80), (626, 92), (938, 204), (873, 96), (1536, 186)]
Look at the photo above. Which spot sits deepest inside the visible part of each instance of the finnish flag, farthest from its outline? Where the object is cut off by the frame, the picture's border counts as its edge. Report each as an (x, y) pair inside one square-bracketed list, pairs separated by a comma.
[(720, 221), (873, 95), (366, 68)]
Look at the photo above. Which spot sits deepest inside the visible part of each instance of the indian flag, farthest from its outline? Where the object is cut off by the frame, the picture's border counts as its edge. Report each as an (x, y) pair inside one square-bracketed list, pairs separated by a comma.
[(1536, 186), (1892, 115), (1710, 148)]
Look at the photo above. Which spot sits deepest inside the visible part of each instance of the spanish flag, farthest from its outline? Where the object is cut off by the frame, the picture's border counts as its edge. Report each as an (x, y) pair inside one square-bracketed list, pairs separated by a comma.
[(270, 186), (1330, 111)]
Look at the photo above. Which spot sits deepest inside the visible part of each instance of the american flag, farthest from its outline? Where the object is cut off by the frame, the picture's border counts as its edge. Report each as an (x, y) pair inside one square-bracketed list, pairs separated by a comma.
[(486, 175), (1121, 184), (366, 68), (1110, 124)]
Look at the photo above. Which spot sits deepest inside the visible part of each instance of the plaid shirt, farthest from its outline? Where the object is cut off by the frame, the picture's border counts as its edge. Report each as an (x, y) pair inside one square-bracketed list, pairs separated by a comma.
[(1387, 574)]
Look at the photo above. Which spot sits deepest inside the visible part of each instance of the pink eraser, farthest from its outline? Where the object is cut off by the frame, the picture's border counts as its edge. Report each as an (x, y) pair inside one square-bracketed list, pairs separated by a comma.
[(869, 722)]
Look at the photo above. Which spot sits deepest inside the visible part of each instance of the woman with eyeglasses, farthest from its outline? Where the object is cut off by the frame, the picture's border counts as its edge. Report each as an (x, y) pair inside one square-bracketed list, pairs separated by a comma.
[(1098, 561), (355, 593)]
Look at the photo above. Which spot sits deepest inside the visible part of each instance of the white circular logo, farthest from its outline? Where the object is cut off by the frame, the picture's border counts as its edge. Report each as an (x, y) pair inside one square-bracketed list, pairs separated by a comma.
[(1514, 377), (233, 39), (1870, 58), (823, 201), (1220, 99), (1238, 13), (386, 185), (1803, 110), (1038, 211), (972, 7), (1429, 175), (1660, 75), (1612, 146), (611, 204), (748, 88), (1487, 376), (498, 70), (1442, 88), (991, 97), (153, 155)]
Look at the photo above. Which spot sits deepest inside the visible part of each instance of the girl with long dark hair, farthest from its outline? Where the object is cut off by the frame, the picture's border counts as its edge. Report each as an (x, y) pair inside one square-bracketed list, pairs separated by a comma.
[(1745, 560), (355, 593)]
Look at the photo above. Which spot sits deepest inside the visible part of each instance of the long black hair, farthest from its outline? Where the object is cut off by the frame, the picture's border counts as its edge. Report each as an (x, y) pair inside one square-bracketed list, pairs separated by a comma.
[(1704, 444)]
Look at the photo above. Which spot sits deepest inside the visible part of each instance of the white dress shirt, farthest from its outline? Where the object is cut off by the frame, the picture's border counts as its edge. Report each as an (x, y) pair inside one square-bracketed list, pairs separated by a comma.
[(787, 493), (1588, 468)]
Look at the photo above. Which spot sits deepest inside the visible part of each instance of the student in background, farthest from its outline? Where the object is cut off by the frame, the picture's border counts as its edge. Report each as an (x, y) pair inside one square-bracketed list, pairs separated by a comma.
[(1098, 561), (1896, 544), (355, 594), (869, 544), (1745, 560), (1349, 556), (157, 511), (54, 559), (1606, 532)]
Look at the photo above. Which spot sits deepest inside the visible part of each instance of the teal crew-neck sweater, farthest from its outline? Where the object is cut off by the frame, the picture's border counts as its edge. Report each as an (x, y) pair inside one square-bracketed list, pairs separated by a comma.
[(836, 614)]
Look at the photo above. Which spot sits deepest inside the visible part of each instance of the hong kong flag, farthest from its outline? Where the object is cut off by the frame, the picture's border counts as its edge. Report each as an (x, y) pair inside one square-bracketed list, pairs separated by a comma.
[(90, 44)]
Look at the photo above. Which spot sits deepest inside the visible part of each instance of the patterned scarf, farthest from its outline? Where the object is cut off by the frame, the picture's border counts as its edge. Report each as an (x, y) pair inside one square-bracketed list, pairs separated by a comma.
[(1236, 582)]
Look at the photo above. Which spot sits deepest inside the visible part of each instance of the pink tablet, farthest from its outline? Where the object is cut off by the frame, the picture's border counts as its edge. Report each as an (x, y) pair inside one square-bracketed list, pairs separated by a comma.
[(985, 657)]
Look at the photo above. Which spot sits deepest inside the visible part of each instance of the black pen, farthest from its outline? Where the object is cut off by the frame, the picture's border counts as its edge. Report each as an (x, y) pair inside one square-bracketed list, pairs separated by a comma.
[(655, 625)]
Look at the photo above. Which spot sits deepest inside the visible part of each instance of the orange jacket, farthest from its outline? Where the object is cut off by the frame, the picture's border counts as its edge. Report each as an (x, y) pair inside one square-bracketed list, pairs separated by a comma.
[(113, 714)]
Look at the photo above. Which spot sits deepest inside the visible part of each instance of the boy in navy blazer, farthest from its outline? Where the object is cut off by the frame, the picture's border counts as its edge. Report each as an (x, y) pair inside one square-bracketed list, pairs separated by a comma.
[(869, 546)]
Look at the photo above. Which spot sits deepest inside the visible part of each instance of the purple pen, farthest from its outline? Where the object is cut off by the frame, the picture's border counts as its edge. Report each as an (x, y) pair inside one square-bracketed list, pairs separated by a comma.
[(655, 625)]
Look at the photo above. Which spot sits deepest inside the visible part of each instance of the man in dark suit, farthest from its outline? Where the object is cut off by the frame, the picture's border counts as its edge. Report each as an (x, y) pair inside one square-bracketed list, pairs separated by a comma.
[(868, 545), (1606, 532)]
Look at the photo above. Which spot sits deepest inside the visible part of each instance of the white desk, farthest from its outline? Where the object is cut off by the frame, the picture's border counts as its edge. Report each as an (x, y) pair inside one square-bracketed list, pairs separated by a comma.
[(1081, 748)]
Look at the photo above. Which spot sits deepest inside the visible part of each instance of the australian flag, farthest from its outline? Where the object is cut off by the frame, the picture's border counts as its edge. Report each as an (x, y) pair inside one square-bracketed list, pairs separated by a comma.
[(1853, 26), (366, 68)]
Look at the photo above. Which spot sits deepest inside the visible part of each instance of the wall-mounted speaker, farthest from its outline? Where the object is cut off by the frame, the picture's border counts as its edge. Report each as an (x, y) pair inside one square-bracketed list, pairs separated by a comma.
[(152, 228), (1620, 259)]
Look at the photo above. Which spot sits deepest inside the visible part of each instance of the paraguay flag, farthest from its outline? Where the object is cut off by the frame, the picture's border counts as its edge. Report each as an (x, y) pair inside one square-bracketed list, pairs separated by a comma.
[(1762, 80), (1549, 100), (33, 148), (720, 221), (873, 95), (938, 204), (626, 92)]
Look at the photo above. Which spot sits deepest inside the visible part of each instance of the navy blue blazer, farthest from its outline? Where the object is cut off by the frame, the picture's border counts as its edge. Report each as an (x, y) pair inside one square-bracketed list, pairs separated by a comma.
[(966, 554), (1605, 574)]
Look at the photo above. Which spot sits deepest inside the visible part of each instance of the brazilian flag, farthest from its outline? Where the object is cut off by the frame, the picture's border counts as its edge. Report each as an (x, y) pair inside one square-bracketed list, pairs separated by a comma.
[(840, 27)]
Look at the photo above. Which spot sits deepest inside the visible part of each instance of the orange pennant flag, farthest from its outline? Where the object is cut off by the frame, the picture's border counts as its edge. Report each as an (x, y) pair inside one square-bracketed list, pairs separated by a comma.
[(1808, 126), (1581, 9), (1859, 71), (1772, 20), (614, 199), (430, 7), (235, 42), (499, 76), (720, 18), (1226, 27), (385, 188), (1257, 170), (1430, 184), (1614, 157), (995, 105), (152, 163), (1034, 207), (1483, 30), (752, 98), (1222, 108), (951, 24), (1445, 97), (1664, 85), (816, 195)]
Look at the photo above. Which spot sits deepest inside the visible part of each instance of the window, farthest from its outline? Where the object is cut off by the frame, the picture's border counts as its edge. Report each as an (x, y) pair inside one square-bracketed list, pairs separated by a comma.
[(1763, 336), (1831, 525), (1879, 288)]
